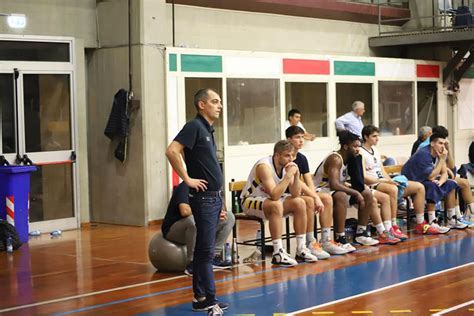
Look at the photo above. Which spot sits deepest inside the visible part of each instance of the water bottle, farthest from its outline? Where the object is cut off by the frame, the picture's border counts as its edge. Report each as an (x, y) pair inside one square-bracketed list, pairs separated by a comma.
[(9, 244), (236, 206), (227, 253), (35, 233), (258, 238), (235, 252), (56, 232)]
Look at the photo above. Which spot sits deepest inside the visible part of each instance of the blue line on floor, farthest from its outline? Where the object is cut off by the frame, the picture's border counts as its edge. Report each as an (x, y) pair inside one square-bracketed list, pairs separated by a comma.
[(316, 289)]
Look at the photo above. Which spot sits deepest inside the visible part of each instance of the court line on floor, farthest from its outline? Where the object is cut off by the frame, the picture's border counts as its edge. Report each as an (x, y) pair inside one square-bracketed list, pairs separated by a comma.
[(58, 300), (444, 311), (83, 309), (88, 308), (149, 283), (95, 258), (378, 290)]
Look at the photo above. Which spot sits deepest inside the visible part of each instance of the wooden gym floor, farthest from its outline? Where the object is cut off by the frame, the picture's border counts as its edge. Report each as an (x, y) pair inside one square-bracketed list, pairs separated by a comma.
[(104, 270)]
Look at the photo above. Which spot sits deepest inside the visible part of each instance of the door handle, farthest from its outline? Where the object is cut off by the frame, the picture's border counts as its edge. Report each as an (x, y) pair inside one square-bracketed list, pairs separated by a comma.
[(25, 160), (3, 161)]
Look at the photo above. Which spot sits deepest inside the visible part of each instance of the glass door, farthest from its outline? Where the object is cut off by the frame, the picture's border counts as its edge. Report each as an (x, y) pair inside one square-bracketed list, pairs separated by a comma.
[(8, 139), (45, 108), (37, 127)]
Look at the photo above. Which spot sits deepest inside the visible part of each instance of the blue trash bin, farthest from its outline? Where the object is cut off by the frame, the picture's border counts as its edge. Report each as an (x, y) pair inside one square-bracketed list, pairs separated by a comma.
[(15, 197)]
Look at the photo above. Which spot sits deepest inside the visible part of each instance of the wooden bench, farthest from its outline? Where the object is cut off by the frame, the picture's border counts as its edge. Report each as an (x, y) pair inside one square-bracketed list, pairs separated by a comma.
[(393, 170), (235, 188)]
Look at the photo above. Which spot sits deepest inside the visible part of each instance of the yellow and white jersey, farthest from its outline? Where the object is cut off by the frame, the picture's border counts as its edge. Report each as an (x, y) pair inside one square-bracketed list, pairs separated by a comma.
[(372, 162), (254, 187), (320, 178)]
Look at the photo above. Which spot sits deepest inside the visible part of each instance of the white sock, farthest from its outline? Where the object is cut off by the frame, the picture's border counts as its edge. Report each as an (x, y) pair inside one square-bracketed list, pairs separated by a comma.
[(300, 241), (325, 234), (380, 228), (420, 218), (310, 238), (387, 224), (451, 212), (340, 234), (394, 221), (458, 211), (277, 245), (431, 217), (360, 229)]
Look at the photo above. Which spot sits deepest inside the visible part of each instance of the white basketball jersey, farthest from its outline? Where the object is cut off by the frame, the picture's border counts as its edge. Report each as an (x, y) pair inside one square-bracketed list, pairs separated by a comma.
[(320, 178), (254, 186), (372, 162)]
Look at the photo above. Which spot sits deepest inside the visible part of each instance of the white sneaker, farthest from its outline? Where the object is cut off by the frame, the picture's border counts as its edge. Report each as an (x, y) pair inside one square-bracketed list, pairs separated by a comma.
[(305, 255), (364, 239), (342, 242), (439, 228), (215, 310), (465, 221), (454, 223), (334, 248), (315, 248), (282, 258)]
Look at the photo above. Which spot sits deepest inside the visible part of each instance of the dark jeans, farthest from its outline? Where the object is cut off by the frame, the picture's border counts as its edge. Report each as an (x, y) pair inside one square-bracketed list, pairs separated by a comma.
[(206, 208)]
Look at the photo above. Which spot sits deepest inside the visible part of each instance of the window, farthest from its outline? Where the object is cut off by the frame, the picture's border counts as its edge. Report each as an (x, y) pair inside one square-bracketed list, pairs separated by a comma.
[(7, 113), (347, 93), (427, 104), (47, 105), (34, 51), (192, 85), (396, 116), (311, 100), (253, 111)]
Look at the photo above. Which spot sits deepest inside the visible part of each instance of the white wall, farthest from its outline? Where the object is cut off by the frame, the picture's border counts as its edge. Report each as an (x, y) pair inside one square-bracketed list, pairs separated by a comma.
[(198, 27), (81, 121), (75, 18)]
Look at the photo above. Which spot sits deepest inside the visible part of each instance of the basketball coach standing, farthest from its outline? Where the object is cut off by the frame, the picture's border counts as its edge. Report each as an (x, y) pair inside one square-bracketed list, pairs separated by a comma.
[(195, 142)]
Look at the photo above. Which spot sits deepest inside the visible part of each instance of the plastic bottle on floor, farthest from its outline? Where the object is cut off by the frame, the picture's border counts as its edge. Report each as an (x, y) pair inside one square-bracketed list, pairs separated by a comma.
[(9, 244)]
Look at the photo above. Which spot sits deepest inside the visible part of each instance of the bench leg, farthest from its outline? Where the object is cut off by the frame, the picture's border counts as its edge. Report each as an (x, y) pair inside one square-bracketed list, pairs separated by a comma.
[(262, 239), (287, 235)]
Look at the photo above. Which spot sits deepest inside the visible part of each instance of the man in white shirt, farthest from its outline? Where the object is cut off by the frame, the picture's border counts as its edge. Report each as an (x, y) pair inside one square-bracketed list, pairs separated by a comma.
[(352, 121), (294, 119)]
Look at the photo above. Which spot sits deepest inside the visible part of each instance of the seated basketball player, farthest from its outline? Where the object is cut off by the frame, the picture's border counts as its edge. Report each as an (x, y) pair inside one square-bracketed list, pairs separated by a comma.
[(331, 176), (318, 202), (264, 196), (376, 177)]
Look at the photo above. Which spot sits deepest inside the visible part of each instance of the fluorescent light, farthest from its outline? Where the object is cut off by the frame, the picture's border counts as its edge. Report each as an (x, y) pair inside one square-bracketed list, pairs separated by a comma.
[(16, 21)]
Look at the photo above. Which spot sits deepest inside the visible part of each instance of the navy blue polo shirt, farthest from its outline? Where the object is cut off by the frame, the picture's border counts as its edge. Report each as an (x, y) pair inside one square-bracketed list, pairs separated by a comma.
[(180, 195), (197, 137), (302, 163)]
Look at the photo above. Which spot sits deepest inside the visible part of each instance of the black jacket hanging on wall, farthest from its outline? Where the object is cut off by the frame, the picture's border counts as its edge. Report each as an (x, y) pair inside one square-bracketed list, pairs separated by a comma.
[(118, 124)]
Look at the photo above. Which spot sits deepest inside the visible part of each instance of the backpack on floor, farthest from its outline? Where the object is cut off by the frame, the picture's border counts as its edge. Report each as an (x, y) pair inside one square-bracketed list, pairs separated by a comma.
[(8, 230)]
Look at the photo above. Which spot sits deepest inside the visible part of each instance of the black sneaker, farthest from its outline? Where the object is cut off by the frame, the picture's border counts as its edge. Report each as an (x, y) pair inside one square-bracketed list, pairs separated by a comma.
[(202, 306), (189, 269), (218, 263)]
